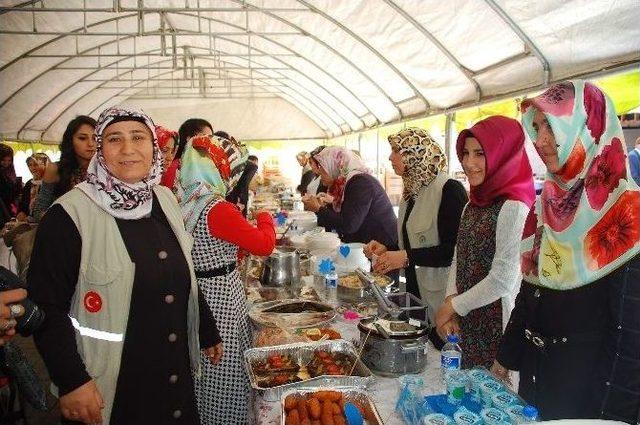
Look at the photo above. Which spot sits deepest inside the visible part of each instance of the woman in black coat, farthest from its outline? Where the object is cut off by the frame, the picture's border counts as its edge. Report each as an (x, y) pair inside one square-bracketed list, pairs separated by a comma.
[(574, 334)]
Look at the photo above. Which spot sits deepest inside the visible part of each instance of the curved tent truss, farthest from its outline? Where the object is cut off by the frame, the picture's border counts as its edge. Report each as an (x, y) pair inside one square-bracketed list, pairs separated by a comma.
[(335, 66)]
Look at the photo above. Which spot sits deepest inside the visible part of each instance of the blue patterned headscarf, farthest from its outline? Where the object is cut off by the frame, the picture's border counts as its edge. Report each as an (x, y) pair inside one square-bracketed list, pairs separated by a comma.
[(210, 167)]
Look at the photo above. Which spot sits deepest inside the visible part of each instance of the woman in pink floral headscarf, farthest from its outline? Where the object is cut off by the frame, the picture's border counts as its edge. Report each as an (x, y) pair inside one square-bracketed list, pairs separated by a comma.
[(361, 210), (574, 334)]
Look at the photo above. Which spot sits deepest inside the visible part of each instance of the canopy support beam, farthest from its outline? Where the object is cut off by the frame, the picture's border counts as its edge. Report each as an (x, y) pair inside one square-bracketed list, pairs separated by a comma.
[(546, 69)]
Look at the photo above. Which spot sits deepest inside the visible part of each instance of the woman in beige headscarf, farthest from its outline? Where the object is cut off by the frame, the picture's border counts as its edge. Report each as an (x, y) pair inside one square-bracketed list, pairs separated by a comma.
[(428, 218)]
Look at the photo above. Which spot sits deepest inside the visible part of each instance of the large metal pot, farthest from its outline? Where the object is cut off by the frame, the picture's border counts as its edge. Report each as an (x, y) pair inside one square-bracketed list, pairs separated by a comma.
[(281, 268), (393, 354)]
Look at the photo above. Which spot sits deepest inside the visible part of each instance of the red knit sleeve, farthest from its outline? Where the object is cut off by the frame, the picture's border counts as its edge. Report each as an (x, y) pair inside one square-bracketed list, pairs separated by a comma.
[(226, 222)]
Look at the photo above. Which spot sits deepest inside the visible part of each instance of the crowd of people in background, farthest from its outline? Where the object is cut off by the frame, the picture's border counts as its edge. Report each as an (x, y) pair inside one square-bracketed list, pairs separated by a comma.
[(139, 229)]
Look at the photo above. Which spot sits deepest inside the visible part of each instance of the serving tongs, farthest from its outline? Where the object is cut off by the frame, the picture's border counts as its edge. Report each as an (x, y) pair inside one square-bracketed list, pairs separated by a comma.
[(386, 307)]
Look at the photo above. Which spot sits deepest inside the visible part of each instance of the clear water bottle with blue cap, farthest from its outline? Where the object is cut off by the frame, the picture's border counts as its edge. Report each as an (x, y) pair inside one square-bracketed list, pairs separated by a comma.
[(451, 355), (331, 283)]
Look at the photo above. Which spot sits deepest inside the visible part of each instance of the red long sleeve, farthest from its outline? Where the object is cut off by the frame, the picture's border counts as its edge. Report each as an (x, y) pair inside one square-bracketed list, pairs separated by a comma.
[(226, 222)]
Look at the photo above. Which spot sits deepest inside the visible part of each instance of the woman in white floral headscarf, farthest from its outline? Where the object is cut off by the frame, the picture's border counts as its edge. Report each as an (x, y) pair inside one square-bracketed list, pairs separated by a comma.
[(112, 270), (361, 210)]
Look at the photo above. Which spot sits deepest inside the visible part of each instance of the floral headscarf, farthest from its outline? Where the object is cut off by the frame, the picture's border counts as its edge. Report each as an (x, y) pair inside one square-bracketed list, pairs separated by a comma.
[(164, 135), (341, 164), (128, 201), (210, 167), (586, 223), (422, 156)]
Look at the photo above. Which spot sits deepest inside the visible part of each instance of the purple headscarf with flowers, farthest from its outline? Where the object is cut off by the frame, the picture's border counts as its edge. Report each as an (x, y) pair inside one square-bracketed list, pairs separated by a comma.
[(586, 223), (128, 201)]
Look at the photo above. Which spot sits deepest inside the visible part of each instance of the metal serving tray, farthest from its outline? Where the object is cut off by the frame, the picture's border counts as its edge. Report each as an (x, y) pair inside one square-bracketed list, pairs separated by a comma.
[(303, 353), (350, 394)]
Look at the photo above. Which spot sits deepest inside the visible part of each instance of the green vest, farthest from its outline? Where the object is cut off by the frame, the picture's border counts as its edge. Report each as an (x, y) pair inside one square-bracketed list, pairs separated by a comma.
[(100, 305)]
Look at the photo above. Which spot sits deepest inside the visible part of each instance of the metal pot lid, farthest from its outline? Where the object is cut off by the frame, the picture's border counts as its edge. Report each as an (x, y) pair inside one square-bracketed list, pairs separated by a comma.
[(392, 328)]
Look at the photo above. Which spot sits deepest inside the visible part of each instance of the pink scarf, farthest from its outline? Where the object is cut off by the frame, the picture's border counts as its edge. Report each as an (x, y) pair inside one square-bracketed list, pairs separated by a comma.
[(508, 173)]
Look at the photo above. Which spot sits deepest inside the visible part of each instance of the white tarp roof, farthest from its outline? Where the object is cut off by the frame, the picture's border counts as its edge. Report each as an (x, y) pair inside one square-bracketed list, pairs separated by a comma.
[(293, 68)]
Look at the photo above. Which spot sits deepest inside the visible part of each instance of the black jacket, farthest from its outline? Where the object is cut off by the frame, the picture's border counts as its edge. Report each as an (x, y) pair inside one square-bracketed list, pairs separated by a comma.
[(366, 214), (592, 370), (307, 177), (240, 193)]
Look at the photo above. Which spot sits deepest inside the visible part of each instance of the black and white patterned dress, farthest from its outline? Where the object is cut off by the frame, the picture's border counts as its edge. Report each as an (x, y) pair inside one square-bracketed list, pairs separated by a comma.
[(223, 390)]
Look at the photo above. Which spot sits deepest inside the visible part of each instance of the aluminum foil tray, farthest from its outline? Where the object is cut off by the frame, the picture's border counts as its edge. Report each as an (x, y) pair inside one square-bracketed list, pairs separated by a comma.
[(303, 353), (350, 394), (259, 316)]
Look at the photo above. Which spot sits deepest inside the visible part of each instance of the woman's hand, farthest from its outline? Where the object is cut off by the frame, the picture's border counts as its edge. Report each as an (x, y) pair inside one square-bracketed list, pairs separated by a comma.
[(501, 372), (51, 173), (325, 198), (311, 203), (374, 248), (214, 353), (390, 261), (446, 312), (9, 310), (84, 404), (452, 327)]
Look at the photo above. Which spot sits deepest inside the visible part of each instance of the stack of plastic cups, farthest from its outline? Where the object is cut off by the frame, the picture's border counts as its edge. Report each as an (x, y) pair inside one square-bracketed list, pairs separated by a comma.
[(476, 376), (493, 416), (437, 419), (504, 399), (488, 388), (464, 416)]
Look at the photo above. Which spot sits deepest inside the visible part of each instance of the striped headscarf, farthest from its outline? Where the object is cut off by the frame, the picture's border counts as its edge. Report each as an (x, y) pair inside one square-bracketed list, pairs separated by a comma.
[(210, 167)]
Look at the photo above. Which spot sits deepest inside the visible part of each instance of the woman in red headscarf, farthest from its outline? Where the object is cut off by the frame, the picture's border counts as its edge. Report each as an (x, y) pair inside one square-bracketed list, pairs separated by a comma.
[(168, 144), (484, 276)]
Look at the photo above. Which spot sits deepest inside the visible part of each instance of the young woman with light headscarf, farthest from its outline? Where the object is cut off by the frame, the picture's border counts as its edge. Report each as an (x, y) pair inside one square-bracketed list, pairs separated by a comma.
[(484, 277), (111, 268), (361, 210), (428, 218), (574, 334), (210, 167)]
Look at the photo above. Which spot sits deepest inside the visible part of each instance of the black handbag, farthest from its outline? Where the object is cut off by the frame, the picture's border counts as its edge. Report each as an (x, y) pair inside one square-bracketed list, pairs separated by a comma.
[(16, 366)]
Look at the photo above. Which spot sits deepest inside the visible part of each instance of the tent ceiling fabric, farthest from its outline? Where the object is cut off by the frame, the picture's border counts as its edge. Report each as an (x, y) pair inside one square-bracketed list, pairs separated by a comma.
[(293, 68)]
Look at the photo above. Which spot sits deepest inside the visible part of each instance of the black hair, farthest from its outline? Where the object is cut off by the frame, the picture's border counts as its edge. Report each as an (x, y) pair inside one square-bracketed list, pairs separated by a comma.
[(222, 134), (315, 152), (68, 162), (188, 129), (252, 158)]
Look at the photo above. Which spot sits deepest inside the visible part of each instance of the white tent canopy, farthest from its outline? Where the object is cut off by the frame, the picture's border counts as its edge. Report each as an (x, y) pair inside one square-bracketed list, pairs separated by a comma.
[(275, 69)]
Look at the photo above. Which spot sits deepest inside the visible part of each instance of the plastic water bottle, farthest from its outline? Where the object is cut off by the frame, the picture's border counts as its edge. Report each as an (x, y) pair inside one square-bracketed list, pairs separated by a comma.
[(451, 355), (522, 415), (530, 414), (331, 284)]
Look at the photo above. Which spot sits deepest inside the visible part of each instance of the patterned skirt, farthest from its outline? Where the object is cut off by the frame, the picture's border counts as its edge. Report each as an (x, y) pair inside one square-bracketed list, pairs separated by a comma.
[(223, 391)]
